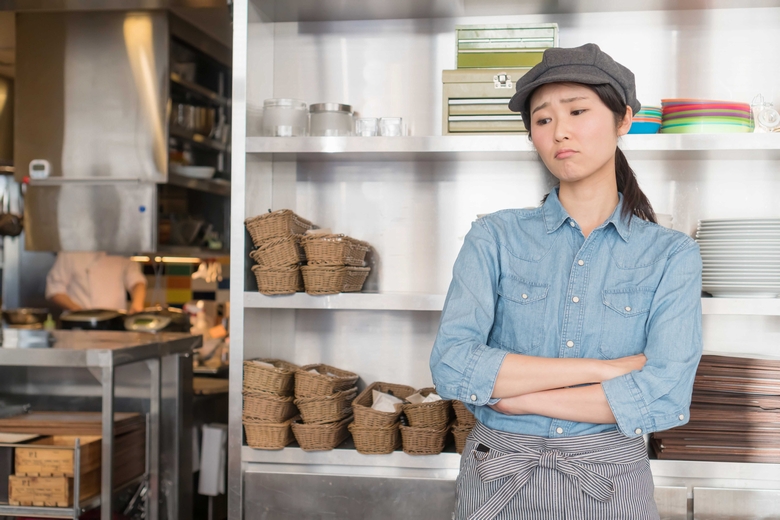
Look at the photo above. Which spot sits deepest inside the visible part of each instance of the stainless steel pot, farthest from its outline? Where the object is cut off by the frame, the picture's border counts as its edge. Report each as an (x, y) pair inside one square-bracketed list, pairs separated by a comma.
[(93, 319), (25, 316)]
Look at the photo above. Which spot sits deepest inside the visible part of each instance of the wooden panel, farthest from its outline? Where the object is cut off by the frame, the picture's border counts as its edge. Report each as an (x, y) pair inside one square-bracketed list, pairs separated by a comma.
[(69, 423)]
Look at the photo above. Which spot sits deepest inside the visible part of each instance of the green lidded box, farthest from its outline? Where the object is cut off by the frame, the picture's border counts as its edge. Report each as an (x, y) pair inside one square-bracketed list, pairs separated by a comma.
[(504, 46)]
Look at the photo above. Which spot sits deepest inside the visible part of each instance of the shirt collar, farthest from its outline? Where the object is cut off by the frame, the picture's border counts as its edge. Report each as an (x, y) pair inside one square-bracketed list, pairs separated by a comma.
[(555, 215)]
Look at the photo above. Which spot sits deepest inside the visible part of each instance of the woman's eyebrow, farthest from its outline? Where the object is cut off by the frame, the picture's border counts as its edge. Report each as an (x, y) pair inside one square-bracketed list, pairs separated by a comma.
[(567, 100)]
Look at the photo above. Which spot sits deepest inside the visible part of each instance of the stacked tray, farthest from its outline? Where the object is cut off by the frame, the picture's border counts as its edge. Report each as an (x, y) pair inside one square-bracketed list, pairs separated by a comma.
[(741, 257), (735, 414), (705, 116)]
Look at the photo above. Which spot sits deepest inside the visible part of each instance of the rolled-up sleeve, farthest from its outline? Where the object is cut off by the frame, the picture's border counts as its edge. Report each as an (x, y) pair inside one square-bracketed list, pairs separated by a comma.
[(133, 275), (463, 366), (658, 397), (59, 276)]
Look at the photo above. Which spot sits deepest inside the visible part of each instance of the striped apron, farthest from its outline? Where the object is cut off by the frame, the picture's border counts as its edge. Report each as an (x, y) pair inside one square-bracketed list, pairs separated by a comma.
[(595, 477)]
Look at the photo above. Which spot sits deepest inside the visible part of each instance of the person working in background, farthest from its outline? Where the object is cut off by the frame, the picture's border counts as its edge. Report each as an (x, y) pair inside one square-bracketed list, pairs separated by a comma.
[(95, 280)]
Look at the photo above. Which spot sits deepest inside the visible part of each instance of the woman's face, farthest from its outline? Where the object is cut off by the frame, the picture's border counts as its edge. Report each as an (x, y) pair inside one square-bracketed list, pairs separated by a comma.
[(574, 132)]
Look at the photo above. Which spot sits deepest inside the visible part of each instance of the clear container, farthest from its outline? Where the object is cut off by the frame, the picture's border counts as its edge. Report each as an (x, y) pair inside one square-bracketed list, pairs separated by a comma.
[(367, 126), (285, 118), (390, 127), (331, 119), (254, 120)]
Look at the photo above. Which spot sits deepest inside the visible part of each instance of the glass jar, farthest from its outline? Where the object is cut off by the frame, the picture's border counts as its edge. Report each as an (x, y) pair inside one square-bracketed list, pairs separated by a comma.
[(285, 118), (331, 119), (366, 127), (390, 127)]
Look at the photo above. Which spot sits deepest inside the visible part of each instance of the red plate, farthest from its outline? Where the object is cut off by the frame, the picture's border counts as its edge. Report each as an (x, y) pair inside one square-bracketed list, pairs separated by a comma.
[(706, 108)]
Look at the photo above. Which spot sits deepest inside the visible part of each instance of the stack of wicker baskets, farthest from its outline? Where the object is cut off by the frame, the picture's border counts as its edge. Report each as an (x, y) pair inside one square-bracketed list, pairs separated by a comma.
[(278, 254), (324, 395), (373, 431), (429, 425), (335, 263), (269, 410), (462, 426)]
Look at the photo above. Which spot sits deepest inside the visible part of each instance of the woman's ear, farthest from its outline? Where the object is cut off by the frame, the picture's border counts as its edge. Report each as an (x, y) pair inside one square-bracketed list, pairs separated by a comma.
[(625, 124)]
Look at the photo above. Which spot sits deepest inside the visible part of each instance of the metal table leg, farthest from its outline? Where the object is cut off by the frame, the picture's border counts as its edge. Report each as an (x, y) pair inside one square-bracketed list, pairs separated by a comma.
[(107, 445), (153, 497)]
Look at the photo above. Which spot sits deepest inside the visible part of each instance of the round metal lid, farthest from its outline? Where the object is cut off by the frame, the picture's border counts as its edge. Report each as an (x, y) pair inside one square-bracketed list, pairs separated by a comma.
[(285, 103), (330, 107)]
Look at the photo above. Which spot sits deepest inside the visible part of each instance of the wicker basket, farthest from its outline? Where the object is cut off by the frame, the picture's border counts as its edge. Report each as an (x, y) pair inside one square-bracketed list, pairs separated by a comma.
[(279, 379), (268, 436), (376, 441), (333, 279), (278, 280), (265, 407), (329, 409), (324, 249), (279, 252), (434, 415), (309, 384), (460, 433), (367, 417), (276, 224), (464, 416), (319, 437), (424, 441)]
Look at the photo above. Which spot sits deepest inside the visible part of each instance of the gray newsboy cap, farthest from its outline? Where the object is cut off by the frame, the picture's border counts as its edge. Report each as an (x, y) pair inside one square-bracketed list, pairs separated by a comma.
[(586, 64)]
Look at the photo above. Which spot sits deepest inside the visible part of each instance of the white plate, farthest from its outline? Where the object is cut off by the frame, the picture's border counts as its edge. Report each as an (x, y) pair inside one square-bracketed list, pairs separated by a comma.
[(737, 235), (194, 172), (741, 293), (733, 221), (735, 241)]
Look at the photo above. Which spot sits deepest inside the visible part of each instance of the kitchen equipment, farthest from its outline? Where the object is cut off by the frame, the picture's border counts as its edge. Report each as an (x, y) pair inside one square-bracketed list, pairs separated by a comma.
[(767, 119), (704, 116), (390, 127), (646, 121), (157, 319), (515, 45), (331, 119), (475, 101), (367, 126), (24, 316), (93, 319), (185, 232), (285, 118), (194, 172)]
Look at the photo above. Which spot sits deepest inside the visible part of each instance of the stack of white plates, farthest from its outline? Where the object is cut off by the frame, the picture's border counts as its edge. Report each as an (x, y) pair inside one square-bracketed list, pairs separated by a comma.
[(741, 257)]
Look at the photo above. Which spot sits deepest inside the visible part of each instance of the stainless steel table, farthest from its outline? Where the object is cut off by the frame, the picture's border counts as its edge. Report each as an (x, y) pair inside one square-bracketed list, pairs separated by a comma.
[(104, 351)]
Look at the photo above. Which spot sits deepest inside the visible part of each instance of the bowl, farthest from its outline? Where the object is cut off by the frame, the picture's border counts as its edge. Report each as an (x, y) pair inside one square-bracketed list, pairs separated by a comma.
[(194, 172), (641, 127)]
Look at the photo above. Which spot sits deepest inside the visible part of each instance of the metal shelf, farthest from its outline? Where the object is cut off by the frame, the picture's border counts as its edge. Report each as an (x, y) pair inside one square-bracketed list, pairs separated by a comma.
[(198, 139), (347, 301), (216, 186), (435, 302), (196, 89), (507, 147), (334, 10)]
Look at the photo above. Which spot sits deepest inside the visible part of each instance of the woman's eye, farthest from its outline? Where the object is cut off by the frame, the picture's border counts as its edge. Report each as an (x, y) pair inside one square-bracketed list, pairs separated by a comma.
[(541, 122), (577, 112)]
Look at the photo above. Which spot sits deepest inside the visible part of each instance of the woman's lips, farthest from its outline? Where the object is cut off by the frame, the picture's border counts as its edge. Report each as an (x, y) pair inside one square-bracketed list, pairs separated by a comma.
[(563, 154)]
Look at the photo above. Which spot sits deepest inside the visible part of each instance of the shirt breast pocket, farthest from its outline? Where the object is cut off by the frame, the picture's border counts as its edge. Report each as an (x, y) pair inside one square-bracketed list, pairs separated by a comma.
[(625, 316), (520, 314)]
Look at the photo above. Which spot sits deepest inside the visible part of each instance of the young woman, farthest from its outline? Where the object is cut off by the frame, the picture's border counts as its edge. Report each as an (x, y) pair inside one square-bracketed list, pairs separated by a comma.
[(573, 329)]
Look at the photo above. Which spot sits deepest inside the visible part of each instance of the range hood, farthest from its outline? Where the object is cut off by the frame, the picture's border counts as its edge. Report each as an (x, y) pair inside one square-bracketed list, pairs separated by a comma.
[(91, 126)]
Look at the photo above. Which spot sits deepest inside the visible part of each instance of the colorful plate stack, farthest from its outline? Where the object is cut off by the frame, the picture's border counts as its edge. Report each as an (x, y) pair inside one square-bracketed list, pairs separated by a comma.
[(703, 116), (646, 121)]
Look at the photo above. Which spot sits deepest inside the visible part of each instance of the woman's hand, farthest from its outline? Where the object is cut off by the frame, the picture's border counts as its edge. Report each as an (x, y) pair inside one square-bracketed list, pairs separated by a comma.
[(617, 367)]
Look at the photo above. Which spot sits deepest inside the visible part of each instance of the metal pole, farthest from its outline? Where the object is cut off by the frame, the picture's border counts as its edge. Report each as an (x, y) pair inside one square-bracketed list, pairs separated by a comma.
[(77, 480), (107, 445), (154, 435)]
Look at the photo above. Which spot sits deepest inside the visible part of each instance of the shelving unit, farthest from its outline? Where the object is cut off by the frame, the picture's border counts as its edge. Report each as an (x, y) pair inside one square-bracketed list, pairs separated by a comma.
[(414, 198)]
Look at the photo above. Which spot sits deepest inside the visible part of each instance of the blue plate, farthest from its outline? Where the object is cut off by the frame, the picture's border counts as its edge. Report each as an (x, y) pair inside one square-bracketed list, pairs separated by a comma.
[(639, 127)]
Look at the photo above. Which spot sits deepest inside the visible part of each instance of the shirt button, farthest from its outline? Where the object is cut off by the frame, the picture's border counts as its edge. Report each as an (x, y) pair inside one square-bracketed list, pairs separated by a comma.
[(638, 431), (473, 397), (682, 417), (559, 430), (575, 299), (581, 262), (570, 343), (525, 296), (571, 223), (628, 309)]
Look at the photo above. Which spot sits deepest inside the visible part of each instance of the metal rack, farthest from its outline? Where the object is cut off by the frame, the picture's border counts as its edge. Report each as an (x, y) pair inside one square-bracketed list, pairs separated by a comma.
[(104, 352), (413, 199)]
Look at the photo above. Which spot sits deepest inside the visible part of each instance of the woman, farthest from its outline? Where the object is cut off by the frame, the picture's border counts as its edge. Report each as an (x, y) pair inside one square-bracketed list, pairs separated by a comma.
[(572, 329)]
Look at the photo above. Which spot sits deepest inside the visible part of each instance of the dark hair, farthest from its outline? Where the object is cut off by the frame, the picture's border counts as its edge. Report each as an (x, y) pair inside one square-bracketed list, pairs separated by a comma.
[(635, 202)]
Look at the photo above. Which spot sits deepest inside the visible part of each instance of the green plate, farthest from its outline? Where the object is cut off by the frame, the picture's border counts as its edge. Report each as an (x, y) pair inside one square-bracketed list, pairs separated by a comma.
[(708, 121), (707, 129)]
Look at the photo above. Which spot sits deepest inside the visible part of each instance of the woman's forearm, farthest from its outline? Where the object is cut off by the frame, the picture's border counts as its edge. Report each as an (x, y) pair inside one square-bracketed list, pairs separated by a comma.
[(521, 374), (581, 404)]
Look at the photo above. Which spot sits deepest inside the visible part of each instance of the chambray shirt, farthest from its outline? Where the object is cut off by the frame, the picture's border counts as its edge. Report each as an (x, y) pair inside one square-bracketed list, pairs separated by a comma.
[(527, 281)]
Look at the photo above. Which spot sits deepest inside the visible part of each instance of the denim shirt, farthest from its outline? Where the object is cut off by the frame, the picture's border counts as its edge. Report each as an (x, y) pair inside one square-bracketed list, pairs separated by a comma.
[(527, 281)]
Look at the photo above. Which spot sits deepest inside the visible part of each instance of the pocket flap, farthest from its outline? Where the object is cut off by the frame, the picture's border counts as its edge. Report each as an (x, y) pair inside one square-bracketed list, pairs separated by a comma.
[(521, 291), (629, 302)]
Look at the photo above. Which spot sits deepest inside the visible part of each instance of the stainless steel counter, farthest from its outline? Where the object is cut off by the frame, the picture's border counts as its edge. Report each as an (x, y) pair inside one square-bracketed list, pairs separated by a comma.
[(168, 392)]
